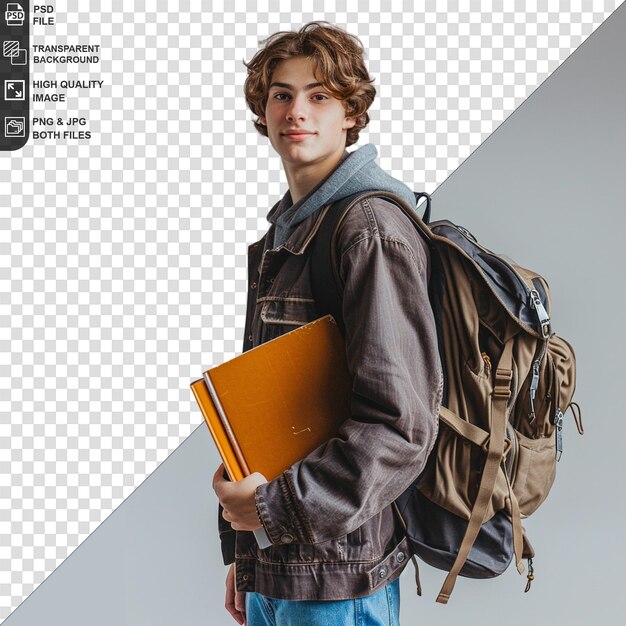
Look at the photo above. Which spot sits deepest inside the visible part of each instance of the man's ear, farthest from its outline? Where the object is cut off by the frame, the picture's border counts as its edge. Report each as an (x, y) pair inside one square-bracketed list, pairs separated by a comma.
[(263, 121), (348, 122)]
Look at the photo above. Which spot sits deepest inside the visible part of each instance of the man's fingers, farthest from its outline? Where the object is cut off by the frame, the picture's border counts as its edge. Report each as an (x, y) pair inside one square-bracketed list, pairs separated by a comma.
[(230, 601), (218, 477), (238, 616), (234, 525), (240, 601), (230, 588), (230, 604)]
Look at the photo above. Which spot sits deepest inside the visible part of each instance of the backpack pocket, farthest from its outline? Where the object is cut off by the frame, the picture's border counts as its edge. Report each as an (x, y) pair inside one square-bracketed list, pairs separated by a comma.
[(452, 475), (538, 440), (533, 416), (564, 363), (435, 535), (534, 470)]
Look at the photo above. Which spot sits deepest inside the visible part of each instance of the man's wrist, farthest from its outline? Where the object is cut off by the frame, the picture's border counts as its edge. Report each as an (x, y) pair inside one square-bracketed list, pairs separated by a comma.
[(258, 512)]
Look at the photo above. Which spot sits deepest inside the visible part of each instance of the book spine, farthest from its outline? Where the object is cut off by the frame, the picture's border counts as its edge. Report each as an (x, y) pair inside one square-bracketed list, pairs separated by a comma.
[(227, 427), (224, 447)]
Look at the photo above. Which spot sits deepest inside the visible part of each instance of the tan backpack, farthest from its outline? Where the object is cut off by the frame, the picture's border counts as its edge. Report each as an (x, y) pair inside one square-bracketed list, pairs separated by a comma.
[(508, 380)]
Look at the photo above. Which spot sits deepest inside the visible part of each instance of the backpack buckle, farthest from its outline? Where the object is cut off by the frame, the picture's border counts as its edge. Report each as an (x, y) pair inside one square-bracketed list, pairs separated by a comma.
[(501, 391), (502, 388)]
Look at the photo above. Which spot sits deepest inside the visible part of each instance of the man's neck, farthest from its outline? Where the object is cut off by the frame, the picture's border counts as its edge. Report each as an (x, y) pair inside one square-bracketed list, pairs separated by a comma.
[(302, 179)]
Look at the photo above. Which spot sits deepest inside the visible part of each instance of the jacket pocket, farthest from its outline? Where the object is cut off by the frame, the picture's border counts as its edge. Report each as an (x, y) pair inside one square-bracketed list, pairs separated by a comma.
[(331, 551), (281, 315)]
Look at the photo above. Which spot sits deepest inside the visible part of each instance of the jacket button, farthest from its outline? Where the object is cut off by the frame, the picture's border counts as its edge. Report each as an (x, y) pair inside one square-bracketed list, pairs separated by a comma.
[(286, 538), (400, 557), (382, 572), (253, 286), (250, 338)]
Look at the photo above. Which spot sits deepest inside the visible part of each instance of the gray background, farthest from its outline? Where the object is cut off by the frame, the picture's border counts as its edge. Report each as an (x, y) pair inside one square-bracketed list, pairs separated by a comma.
[(545, 187)]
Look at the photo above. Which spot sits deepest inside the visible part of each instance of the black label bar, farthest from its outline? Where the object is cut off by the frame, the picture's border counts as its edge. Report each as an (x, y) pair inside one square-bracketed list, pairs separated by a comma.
[(14, 74)]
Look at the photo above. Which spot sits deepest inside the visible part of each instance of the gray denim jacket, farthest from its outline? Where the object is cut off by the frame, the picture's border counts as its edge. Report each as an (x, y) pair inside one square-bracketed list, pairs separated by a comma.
[(334, 532)]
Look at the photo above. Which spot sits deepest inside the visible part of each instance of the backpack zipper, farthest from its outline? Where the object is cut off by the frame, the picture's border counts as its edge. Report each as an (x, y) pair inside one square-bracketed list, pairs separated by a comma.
[(534, 383), (542, 314), (558, 422)]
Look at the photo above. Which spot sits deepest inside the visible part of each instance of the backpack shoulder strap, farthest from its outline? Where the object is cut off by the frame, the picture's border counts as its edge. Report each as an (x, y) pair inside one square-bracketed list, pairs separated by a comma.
[(325, 280)]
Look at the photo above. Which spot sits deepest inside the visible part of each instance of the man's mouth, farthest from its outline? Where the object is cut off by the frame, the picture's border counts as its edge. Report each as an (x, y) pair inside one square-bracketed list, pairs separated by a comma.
[(297, 136)]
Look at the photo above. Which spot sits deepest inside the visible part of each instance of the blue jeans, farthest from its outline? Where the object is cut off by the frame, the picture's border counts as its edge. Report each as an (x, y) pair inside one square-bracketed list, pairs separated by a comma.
[(379, 609)]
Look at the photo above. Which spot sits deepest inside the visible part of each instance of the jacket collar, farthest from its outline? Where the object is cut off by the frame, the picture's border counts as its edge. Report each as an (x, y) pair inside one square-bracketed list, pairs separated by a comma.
[(304, 232)]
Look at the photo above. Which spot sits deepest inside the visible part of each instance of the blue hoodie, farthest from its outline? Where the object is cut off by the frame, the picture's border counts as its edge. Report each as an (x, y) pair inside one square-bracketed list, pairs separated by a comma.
[(357, 171)]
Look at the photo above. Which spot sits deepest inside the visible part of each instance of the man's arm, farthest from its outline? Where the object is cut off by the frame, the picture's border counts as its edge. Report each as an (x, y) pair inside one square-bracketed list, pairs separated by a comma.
[(391, 347)]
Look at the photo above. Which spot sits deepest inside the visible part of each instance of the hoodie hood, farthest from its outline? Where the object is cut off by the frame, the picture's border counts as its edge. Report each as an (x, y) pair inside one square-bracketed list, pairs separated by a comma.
[(357, 171)]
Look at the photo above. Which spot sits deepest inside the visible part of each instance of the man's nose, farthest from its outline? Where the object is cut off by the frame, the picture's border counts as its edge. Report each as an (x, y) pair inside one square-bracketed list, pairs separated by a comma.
[(298, 107)]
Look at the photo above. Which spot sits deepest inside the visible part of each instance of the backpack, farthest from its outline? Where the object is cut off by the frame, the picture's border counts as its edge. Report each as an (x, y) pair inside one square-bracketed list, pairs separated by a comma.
[(508, 380)]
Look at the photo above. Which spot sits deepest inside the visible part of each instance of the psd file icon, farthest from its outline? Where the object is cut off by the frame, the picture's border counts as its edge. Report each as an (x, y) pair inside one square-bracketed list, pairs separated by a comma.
[(14, 14)]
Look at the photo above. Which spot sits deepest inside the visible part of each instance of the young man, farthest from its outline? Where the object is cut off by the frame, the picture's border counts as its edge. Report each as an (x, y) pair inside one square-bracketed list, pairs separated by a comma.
[(338, 547)]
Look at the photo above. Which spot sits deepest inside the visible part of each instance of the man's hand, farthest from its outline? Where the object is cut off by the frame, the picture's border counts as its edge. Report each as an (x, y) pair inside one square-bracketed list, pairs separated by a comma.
[(237, 499), (235, 602)]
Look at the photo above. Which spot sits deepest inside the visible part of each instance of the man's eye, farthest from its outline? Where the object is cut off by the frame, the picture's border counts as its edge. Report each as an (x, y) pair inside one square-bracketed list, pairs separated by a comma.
[(319, 96)]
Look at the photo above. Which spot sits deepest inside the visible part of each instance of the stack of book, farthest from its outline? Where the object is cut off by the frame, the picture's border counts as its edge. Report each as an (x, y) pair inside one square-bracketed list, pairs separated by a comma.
[(274, 404)]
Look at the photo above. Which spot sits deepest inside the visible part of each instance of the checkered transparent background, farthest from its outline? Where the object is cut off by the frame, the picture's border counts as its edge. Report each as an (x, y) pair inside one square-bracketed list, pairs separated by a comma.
[(123, 257)]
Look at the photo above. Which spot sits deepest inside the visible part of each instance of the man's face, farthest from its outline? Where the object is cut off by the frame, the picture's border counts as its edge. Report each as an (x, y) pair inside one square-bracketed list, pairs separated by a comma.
[(301, 102)]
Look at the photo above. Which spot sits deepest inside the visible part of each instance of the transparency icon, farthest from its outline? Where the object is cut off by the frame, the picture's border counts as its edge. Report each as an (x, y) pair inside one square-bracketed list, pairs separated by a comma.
[(18, 56)]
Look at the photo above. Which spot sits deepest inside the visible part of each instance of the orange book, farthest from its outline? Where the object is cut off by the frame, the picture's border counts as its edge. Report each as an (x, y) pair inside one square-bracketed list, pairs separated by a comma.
[(217, 430), (270, 406), (274, 404)]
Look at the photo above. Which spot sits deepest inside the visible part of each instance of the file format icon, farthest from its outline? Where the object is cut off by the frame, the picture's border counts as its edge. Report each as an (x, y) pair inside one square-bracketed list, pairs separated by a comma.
[(14, 127)]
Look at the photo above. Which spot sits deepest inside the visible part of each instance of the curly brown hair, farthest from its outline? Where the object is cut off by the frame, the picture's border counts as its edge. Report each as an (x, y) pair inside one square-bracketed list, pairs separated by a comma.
[(338, 59)]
